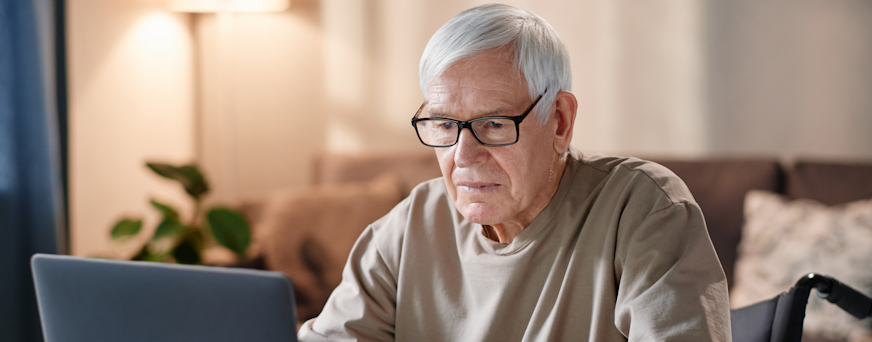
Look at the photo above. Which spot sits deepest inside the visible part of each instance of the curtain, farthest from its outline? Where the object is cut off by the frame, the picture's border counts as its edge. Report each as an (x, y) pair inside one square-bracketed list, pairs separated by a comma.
[(31, 190)]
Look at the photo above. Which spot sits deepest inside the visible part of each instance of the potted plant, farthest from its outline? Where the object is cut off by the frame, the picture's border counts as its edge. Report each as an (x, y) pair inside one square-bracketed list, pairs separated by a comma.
[(184, 242)]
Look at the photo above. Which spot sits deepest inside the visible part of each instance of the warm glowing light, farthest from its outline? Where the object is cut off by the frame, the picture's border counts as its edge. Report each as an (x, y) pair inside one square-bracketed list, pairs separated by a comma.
[(214, 6)]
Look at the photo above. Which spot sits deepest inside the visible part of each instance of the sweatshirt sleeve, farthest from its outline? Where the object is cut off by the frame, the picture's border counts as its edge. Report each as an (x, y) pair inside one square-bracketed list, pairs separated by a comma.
[(671, 286), (362, 307)]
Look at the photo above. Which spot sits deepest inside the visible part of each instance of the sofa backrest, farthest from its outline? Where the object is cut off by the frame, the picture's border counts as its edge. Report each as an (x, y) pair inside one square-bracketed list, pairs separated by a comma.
[(830, 183), (411, 167)]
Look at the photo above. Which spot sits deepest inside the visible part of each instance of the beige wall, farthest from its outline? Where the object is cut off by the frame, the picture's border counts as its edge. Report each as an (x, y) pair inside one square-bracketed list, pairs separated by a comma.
[(790, 77), (253, 97), (131, 100), (263, 72)]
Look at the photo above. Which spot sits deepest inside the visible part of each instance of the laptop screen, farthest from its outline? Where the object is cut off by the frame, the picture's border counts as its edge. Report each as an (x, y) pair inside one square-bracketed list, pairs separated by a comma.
[(83, 299)]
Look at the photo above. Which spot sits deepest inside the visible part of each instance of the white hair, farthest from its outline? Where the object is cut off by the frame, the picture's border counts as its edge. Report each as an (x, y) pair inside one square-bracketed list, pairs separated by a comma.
[(539, 54)]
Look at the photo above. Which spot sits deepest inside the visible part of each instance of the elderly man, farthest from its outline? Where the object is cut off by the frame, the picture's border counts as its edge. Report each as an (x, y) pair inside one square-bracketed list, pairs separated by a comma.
[(523, 238)]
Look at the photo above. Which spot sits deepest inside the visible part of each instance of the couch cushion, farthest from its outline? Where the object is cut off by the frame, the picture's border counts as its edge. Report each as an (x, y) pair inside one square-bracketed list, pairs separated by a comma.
[(829, 183), (308, 233), (719, 186)]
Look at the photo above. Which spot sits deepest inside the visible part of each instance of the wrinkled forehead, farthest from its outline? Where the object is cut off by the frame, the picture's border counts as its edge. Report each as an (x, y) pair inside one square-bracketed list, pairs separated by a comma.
[(485, 82), (494, 65)]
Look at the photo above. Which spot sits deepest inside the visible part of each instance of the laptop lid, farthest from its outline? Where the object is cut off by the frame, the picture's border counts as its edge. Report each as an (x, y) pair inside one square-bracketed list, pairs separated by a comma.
[(83, 299)]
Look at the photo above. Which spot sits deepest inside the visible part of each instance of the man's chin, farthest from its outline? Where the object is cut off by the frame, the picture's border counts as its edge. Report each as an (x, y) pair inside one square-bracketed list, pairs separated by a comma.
[(481, 213)]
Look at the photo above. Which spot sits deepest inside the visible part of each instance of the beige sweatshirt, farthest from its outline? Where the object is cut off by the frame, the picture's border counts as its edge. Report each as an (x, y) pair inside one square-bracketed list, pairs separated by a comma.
[(620, 253)]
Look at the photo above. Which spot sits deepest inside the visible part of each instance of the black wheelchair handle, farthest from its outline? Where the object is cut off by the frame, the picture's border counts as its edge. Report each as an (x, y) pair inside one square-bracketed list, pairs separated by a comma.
[(847, 298)]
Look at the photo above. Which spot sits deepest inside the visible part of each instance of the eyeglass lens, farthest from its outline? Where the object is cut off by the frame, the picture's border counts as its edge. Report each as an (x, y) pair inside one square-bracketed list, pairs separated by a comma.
[(444, 132)]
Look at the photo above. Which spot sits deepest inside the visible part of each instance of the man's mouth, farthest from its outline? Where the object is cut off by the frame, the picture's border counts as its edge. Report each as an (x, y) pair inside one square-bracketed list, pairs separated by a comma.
[(477, 187)]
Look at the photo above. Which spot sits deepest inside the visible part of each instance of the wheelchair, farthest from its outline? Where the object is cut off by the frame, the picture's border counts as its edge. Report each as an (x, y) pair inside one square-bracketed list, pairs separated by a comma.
[(780, 319)]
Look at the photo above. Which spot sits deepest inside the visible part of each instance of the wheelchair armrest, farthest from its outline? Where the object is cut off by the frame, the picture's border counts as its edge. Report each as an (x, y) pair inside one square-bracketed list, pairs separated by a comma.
[(847, 298)]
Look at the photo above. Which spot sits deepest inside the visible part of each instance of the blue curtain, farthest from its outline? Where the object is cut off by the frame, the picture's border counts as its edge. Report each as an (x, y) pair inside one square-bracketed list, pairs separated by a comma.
[(31, 190)]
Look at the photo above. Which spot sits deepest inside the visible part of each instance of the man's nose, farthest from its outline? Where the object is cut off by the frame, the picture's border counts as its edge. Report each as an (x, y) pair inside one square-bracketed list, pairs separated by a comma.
[(468, 151)]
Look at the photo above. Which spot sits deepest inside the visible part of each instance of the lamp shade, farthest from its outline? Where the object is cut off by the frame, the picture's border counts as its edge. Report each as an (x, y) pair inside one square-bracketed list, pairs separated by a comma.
[(214, 6)]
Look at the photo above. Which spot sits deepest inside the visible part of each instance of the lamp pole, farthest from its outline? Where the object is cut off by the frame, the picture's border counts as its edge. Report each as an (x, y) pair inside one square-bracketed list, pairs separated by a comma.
[(227, 187)]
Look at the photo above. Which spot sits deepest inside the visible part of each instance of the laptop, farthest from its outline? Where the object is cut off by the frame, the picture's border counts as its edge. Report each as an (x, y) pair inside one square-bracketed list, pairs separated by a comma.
[(97, 300)]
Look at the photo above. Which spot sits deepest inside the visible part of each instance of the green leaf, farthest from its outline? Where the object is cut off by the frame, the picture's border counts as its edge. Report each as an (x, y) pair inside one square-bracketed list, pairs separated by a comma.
[(230, 229), (126, 227), (167, 211), (187, 253), (141, 255), (158, 257), (189, 175), (169, 229)]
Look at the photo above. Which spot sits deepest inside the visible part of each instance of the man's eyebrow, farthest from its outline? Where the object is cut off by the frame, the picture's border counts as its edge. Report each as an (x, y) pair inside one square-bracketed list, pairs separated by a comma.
[(502, 111), (496, 112), (436, 114)]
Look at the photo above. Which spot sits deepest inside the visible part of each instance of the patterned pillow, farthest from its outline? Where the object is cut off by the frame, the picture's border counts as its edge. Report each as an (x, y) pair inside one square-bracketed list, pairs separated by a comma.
[(783, 239)]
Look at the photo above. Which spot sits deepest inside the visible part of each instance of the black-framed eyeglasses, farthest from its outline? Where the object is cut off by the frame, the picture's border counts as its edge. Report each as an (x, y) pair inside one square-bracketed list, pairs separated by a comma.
[(488, 130)]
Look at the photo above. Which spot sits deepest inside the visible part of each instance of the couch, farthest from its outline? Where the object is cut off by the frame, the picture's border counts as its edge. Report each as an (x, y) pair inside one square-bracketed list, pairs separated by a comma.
[(307, 233)]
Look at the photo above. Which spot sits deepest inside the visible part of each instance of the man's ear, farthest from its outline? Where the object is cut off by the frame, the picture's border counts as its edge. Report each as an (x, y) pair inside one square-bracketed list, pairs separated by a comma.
[(565, 107)]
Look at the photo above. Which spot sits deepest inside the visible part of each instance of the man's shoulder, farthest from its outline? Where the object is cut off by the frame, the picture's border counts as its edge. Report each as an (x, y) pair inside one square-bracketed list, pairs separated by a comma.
[(418, 220), (429, 195), (639, 175)]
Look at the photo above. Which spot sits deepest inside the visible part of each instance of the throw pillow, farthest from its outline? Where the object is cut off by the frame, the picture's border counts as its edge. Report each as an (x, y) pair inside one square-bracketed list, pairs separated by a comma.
[(784, 239)]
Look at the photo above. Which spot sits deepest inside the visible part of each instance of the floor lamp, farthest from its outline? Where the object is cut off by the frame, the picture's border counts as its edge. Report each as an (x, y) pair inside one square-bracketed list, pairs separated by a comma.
[(225, 9)]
